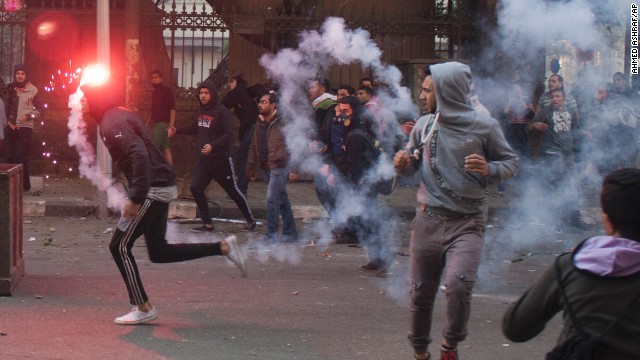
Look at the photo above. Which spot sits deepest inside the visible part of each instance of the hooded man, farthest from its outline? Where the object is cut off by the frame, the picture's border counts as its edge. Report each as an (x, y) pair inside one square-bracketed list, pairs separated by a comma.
[(453, 148), (23, 109), (244, 106), (596, 286), (213, 128), (346, 191), (151, 186)]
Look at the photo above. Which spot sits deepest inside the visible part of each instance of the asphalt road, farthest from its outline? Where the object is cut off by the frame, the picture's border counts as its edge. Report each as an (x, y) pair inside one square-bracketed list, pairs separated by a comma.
[(299, 302)]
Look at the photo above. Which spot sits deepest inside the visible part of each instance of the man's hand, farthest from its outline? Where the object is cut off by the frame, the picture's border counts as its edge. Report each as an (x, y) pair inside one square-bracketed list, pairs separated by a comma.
[(406, 127), (21, 119), (476, 164), (206, 150), (540, 126), (251, 173), (324, 170), (331, 180), (130, 209), (171, 130), (293, 176), (12, 125), (401, 161), (314, 146)]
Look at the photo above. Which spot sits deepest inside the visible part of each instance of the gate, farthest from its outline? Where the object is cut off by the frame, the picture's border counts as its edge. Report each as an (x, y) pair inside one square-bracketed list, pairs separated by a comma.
[(12, 40), (196, 40)]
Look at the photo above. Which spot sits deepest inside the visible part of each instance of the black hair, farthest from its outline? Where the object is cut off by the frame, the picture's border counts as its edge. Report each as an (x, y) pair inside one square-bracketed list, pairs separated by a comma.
[(620, 200), (324, 83), (366, 79), (240, 80), (560, 89), (560, 78), (349, 89), (351, 100), (273, 97), (427, 70), (623, 76), (367, 89), (156, 72)]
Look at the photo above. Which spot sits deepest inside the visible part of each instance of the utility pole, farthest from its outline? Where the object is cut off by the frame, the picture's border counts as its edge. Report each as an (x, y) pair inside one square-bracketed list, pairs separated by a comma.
[(132, 53), (103, 52)]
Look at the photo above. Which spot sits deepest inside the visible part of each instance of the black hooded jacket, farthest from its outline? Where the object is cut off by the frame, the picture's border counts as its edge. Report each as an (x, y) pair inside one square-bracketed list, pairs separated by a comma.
[(244, 106), (358, 157), (212, 125), (129, 143)]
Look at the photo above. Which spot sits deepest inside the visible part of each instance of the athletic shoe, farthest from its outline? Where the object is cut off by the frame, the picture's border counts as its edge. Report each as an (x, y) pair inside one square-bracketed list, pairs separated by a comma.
[(370, 266), (235, 255), (250, 226), (203, 228), (136, 317)]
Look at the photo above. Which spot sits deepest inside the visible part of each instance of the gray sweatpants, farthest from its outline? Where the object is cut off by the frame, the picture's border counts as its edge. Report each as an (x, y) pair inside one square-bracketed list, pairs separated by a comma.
[(449, 246)]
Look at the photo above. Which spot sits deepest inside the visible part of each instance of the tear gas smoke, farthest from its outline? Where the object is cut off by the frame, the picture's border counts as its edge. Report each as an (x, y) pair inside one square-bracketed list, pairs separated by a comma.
[(87, 165), (539, 215), (293, 70)]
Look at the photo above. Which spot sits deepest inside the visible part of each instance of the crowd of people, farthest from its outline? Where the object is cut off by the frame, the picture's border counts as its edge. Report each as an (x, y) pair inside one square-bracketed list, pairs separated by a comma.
[(453, 149)]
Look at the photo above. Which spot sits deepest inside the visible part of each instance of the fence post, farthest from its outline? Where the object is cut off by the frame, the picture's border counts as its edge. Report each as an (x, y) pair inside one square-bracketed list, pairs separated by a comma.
[(11, 261)]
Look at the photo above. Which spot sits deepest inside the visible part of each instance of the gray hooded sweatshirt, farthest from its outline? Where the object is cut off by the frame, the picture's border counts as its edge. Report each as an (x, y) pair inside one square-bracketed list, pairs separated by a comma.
[(460, 131)]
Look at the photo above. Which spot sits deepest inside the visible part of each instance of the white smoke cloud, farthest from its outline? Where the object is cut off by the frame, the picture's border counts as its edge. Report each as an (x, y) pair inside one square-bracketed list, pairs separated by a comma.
[(88, 167), (554, 29), (541, 21), (293, 70)]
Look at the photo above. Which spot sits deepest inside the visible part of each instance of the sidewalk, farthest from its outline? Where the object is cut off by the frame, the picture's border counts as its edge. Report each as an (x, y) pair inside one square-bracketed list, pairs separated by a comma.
[(76, 197)]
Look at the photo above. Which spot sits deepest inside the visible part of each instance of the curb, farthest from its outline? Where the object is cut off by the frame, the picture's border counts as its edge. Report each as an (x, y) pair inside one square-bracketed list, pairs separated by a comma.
[(181, 209)]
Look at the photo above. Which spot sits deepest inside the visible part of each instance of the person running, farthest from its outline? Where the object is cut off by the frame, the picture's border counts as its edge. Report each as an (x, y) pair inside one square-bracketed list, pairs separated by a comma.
[(152, 186), (454, 149), (213, 127)]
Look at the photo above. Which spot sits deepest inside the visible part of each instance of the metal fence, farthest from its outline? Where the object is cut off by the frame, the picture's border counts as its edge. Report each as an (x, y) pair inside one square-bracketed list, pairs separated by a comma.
[(196, 38), (12, 41)]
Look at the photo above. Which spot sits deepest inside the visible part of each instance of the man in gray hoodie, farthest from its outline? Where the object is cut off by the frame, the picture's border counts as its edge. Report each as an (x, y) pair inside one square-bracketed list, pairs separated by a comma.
[(453, 148)]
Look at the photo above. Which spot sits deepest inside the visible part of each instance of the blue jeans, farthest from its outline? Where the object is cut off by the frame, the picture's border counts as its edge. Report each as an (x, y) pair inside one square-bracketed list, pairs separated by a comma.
[(278, 205)]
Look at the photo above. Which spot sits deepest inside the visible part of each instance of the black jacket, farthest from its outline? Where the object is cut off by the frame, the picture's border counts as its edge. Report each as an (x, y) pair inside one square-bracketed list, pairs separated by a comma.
[(244, 106), (129, 143), (358, 156), (213, 126)]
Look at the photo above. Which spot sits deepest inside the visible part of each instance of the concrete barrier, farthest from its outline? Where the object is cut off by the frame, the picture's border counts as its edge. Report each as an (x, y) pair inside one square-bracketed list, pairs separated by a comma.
[(11, 260)]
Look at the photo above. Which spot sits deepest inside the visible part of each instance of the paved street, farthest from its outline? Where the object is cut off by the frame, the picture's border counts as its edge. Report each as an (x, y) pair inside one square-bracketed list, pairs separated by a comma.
[(299, 302)]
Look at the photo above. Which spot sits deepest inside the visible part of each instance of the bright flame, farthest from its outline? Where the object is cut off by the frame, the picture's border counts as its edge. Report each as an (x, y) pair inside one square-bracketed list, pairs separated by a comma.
[(95, 75)]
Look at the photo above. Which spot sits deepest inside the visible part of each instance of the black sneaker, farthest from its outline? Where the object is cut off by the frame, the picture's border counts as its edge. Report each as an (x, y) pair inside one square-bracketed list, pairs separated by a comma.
[(250, 226), (370, 266), (203, 228)]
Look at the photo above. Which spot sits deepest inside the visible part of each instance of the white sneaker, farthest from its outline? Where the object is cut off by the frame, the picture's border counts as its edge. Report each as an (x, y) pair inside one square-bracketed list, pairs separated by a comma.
[(235, 254), (136, 317)]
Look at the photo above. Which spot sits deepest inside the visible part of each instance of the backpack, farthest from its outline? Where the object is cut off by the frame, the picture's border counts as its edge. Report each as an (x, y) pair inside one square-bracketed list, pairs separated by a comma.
[(381, 186), (581, 346)]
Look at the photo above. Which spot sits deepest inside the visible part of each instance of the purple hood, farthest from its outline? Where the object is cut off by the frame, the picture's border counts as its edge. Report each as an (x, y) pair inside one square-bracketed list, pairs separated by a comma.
[(608, 256)]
